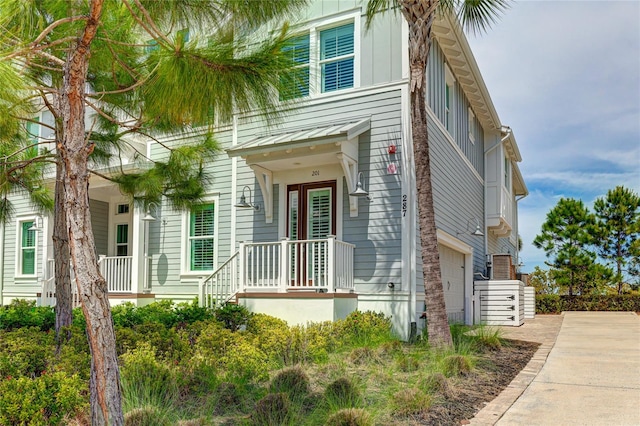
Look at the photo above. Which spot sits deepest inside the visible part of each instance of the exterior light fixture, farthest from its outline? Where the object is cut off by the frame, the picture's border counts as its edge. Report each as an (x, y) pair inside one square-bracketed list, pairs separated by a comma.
[(476, 233), (37, 224), (148, 217), (242, 204), (359, 191)]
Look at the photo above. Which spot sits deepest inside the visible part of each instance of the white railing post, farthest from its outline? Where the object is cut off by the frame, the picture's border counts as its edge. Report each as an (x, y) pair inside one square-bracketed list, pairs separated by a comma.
[(242, 273), (330, 261), (284, 265)]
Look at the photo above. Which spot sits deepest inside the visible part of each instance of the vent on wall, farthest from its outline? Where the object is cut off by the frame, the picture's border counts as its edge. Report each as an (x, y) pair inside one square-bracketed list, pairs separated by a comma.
[(502, 268)]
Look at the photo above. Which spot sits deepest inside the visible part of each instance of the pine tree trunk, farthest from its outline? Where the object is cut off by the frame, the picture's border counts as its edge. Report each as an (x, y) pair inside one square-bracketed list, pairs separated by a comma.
[(420, 16), (106, 402), (61, 259)]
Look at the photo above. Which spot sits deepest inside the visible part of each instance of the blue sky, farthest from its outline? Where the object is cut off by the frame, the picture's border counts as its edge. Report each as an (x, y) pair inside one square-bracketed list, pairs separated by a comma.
[(565, 75)]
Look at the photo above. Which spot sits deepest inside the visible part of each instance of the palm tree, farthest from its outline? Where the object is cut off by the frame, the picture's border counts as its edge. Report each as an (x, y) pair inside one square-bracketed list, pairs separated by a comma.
[(475, 15)]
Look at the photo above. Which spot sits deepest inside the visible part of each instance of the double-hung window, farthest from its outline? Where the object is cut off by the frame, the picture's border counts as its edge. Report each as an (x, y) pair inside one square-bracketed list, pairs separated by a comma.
[(337, 58), (449, 101), (27, 245), (201, 238), (325, 60)]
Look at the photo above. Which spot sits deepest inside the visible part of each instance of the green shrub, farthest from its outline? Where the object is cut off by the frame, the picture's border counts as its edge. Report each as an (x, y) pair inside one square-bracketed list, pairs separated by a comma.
[(310, 343), (410, 401), (44, 400), (350, 417), (24, 313), (292, 381), (25, 352), (273, 337), (233, 316), (342, 393), (272, 410), (436, 383), (146, 416), (167, 341), (456, 364), (555, 304), (228, 397), (364, 328), (146, 380)]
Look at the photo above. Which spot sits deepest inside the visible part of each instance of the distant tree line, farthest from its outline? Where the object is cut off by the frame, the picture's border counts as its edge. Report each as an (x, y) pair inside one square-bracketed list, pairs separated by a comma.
[(591, 252)]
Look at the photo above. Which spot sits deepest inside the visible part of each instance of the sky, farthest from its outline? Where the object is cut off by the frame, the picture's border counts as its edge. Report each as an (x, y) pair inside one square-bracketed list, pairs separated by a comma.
[(565, 76)]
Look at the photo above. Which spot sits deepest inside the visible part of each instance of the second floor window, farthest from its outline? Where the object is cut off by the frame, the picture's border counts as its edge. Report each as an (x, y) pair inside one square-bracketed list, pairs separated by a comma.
[(201, 237), (325, 61)]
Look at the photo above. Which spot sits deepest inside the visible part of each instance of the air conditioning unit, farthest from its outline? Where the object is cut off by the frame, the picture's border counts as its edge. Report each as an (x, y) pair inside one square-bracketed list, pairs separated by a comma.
[(502, 267)]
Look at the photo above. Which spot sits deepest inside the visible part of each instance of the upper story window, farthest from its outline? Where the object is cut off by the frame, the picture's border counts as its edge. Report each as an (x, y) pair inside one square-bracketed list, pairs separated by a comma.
[(507, 173), (326, 59), (449, 101), (471, 125), (337, 58)]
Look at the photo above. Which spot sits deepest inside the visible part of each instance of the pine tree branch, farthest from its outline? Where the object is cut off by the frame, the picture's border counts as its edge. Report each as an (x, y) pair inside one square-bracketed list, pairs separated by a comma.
[(56, 24), (150, 26)]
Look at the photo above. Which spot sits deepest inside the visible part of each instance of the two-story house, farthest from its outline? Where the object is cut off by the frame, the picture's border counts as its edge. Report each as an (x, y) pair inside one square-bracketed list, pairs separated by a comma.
[(315, 216)]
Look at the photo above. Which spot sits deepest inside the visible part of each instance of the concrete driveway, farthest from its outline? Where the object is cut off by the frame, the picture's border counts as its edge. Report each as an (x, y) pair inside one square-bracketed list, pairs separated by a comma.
[(591, 375)]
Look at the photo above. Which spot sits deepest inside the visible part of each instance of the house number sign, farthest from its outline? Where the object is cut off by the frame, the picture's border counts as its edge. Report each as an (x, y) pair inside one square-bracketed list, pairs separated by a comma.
[(404, 205), (315, 173)]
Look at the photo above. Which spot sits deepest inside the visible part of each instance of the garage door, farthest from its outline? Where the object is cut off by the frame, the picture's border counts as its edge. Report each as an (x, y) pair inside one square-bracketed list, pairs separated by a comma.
[(452, 266)]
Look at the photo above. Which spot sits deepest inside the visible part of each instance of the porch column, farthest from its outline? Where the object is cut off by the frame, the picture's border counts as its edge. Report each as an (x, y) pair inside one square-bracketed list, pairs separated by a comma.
[(331, 263), (137, 250), (284, 264)]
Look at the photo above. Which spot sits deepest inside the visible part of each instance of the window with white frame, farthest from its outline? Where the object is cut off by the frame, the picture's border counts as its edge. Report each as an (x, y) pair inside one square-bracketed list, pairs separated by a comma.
[(471, 125), (27, 247), (449, 100), (201, 238), (326, 60), (507, 173)]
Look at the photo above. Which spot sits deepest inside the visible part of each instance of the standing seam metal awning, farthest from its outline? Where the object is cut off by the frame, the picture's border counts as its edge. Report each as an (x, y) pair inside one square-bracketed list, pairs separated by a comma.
[(335, 143), (301, 138)]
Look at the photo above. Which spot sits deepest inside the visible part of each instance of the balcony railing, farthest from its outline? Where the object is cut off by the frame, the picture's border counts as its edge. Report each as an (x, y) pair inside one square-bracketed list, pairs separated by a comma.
[(322, 265), (116, 270)]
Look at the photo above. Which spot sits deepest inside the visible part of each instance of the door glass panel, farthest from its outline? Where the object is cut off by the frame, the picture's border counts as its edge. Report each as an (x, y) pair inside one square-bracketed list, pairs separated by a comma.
[(122, 240), (319, 213), (293, 215)]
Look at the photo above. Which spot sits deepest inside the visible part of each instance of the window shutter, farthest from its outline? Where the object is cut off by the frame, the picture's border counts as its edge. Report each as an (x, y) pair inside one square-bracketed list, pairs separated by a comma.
[(295, 84), (337, 43), (201, 236), (28, 249), (319, 213)]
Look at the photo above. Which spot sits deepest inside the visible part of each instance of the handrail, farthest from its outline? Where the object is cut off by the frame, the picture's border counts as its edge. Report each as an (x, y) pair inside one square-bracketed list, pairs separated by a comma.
[(222, 285)]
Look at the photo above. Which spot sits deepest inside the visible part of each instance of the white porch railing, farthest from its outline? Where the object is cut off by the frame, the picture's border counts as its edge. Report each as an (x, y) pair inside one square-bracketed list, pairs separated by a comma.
[(222, 285), (323, 265), (48, 295), (116, 270)]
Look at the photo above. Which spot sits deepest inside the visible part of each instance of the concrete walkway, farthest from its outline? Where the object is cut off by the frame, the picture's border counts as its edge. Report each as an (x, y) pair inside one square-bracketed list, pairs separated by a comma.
[(591, 375)]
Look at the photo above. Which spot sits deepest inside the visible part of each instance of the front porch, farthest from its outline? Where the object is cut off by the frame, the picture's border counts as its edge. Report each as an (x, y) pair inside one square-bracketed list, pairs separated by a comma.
[(116, 270), (286, 266)]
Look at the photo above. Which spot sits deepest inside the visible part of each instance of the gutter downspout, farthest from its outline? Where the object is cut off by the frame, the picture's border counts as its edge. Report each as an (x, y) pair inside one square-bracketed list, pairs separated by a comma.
[(506, 130), (518, 230)]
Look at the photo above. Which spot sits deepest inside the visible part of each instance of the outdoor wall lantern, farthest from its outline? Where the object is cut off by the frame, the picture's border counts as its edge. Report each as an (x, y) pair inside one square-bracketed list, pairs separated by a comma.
[(243, 200), (360, 191), (37, 224), (477, 232)]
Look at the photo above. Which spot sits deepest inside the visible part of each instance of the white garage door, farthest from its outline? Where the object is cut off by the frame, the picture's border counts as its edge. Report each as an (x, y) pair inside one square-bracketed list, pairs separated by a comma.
[(452, 266)]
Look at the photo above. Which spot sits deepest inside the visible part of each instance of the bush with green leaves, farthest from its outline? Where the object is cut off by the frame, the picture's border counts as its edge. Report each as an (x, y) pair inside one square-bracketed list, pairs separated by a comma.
[(24, 313), (233, 316), (342, 393), (146, 380), (364, 328), (555, 304), (25, 352), (292, 381), (164, 312), (44, 400)]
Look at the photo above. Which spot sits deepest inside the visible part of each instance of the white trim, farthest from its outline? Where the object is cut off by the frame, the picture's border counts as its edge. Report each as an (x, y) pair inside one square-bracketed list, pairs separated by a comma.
[(450, 113), (184, 239), (453, 143), (234, 191), (453, 243), (471, 121), (18, 249)]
